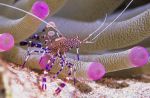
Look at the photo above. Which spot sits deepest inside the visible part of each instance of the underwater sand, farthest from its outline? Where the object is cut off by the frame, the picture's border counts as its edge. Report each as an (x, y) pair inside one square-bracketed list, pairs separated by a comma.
[(24, 84)]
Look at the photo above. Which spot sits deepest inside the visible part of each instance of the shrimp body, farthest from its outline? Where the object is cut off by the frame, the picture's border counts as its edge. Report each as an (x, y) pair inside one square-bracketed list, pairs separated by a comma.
[(63, 44)]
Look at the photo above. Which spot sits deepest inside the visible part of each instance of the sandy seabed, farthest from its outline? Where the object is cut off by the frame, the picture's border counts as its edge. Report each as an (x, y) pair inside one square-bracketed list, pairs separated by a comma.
[(17, 83)]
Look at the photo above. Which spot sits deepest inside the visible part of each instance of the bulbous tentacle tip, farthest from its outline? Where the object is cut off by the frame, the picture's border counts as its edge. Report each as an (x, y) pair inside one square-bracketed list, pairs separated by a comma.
[(138, 56), (40, 9), (43, 61), (95, 71), (6, 42)]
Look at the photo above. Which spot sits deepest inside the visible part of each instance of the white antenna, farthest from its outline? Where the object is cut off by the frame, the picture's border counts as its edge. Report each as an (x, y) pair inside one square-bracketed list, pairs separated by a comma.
[(113, 20), (96, 29), (6, 5)]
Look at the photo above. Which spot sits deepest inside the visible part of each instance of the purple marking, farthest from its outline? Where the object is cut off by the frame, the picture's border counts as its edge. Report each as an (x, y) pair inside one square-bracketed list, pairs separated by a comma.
[(48, 67), (44, 87), (38, 45), (95, 71), (52, 60), (32, 44), (36, 37), (138, 56), (51, 66), (74, 81), (44, 79), (69, 73), (78, 58), (57, 91), (6, 42), (23, 43), (62, 85), (58, 72), (69, 65), (23, 65), (40, 9)]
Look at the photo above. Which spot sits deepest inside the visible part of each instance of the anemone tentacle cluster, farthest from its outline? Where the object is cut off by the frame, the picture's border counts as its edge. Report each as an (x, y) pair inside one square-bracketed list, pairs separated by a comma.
[(121, 34)]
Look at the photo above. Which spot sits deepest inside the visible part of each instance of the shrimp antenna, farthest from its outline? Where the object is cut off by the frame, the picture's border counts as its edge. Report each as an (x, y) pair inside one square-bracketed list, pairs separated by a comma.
[(21, 10), (113, 20), (96, 29)]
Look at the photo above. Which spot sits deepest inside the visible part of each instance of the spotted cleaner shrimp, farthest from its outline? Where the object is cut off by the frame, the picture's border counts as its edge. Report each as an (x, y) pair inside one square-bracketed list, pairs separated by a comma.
[(53, 45)]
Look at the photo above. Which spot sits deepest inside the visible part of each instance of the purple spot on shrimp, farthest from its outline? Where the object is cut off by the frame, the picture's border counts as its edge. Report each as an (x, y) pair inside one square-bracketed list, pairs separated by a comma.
[(62, 85), (44, 79)]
